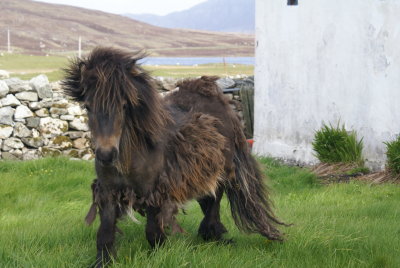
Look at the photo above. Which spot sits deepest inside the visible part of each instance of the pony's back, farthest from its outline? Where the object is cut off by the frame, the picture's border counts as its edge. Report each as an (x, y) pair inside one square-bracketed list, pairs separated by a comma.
[(203, 95)]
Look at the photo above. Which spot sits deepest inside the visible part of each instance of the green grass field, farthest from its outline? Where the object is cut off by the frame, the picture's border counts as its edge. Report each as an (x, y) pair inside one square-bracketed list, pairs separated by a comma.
[(26, 67), (43, 204)]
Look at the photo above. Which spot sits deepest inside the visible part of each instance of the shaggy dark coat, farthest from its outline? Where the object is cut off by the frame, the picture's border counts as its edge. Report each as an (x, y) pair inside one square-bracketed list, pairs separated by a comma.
[(154, 154)]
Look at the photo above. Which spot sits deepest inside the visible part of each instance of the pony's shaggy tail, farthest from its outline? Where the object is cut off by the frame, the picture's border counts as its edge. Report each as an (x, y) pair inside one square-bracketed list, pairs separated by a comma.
[(248, 198)]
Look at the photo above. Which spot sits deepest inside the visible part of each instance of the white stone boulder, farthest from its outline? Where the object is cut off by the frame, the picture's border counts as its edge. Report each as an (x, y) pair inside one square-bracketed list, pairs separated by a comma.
[(79, 123), (27, 96), (225, 82), (17, 153), (88, 157), (28, 154), (49, 152), (33, 142), (42, 112), (10, 100), (17, 85), (6, 115), (56, 86), (67, 117), (75, 110), (51, 127), (36, 133), (34, 105), (58, 96), (58, 111), (12, 155), (60, 142), (13, 143), (32, 122), (75, 134), (22, 111), (5, 131), (168, 83), (21, 131), (46, 103), (3, 89), (81, 143), (42, 86)]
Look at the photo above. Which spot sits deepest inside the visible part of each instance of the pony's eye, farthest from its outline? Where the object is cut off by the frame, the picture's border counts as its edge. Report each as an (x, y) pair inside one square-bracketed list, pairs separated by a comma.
[(87, 107)]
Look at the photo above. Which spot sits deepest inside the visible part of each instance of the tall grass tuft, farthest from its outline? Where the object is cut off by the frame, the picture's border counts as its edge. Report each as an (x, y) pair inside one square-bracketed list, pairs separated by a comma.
[(393, 155), (337, 145)]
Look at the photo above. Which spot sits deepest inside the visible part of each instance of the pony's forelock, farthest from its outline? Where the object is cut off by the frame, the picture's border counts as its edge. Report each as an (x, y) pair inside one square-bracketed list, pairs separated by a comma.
[(106, 76)]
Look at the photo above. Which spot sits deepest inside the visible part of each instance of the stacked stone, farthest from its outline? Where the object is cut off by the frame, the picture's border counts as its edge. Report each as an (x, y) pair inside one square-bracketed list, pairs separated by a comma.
[(231, 88), (36, 119)]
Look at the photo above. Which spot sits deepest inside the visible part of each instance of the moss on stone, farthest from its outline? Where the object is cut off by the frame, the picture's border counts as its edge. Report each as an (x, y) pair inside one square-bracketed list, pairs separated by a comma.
[(60, 105), (60, 140), (36, 139), (86, 151), (64, 128), (48, 152), (74, 153)]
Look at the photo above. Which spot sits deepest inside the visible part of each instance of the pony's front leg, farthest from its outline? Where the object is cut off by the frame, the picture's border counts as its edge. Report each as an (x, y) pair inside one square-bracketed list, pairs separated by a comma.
[(154, 228), (106, 234)]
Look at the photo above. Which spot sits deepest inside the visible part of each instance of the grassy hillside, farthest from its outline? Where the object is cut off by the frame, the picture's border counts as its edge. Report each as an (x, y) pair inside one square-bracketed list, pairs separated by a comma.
[(26, 67), (42, 28), (43, 204)]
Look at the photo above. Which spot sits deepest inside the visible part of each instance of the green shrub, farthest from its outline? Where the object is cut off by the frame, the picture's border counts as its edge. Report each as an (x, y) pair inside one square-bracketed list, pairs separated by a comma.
[(393, 155), (335, 144)]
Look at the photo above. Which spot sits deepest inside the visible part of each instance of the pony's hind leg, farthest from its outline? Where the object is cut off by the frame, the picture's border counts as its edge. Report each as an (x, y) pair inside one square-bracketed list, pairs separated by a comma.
[(211, 227)]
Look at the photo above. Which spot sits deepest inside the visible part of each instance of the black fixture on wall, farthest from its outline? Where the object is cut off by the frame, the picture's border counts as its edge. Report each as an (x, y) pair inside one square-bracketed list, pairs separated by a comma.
[(292, 2)]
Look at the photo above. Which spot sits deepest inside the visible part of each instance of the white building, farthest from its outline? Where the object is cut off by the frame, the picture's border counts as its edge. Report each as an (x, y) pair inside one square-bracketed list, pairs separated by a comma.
[(325, 61)]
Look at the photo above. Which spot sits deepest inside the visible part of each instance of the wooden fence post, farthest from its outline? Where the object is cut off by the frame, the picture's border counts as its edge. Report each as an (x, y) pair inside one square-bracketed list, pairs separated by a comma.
[(247, 96)]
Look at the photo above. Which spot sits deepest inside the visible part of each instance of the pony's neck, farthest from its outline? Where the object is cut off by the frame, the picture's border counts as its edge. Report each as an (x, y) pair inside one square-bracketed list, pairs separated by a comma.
[(144, 126)]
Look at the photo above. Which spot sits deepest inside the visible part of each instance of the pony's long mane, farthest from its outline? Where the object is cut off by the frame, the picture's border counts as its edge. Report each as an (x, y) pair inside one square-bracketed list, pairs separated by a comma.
[(109, 78)]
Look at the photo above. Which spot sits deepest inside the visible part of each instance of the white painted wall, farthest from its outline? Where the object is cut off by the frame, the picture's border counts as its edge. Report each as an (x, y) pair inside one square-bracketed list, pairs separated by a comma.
[(324, 61)]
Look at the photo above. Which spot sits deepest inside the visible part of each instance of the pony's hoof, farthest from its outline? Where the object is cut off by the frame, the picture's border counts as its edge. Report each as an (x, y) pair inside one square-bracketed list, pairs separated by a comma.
[(212, 231)]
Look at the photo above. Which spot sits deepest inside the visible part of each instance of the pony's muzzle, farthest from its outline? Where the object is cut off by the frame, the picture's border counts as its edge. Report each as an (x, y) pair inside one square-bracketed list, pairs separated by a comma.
[(106, 156)]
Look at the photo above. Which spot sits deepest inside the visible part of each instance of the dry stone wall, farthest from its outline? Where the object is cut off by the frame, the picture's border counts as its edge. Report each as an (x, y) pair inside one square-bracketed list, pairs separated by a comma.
[(38, 120)]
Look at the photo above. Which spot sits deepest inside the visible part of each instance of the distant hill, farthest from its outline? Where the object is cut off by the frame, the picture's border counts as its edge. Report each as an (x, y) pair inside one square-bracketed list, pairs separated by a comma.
[(213, 15), (39, 28)]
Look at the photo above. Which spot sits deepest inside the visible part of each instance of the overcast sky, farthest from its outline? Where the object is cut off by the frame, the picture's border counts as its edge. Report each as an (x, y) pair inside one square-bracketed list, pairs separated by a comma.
[(159, 7)]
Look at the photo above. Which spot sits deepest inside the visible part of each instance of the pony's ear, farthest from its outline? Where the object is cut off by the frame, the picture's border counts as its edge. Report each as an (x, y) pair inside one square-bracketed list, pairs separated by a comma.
[(133, 65), (133, 68), (207, 78), (72, 83), (136, 71)]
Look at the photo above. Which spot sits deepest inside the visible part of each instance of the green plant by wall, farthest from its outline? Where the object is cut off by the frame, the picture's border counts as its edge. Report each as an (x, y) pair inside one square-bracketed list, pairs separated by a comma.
[(393, 155), (337, 145)]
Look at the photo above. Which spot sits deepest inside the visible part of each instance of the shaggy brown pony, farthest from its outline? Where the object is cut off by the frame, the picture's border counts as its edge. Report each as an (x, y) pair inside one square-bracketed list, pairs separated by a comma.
[(154, 154)]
